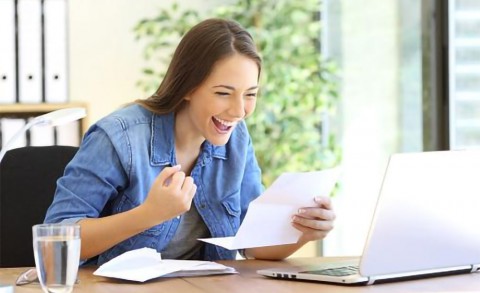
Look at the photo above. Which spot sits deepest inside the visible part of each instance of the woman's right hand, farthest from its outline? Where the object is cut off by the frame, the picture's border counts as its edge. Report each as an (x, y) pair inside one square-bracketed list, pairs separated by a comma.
[(170, 195)]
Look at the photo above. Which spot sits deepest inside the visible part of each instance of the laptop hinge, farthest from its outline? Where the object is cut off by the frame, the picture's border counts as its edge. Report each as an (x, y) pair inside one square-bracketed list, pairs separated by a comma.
[(475, 268), (371, 280)]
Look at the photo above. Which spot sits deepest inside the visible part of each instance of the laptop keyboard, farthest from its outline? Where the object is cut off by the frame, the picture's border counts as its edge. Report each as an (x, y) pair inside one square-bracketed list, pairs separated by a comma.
[(338, 272)]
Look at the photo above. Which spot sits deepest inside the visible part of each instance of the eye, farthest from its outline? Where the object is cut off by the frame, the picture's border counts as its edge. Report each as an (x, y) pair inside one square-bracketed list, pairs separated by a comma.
[(222, 94), (251, 95)]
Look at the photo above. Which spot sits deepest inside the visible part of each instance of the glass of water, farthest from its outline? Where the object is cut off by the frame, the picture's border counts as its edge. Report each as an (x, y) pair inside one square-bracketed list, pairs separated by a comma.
[(57, 255)]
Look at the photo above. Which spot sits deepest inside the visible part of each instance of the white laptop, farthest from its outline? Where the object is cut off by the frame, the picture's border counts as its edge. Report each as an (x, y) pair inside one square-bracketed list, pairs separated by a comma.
[(426, 223)]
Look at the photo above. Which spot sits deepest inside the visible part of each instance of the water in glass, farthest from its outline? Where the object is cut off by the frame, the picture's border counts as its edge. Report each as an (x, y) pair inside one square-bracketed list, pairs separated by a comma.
[(57, 258)]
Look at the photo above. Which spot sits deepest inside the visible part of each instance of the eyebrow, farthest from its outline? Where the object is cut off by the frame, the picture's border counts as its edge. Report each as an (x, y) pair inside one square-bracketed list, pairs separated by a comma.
[(233, 88)]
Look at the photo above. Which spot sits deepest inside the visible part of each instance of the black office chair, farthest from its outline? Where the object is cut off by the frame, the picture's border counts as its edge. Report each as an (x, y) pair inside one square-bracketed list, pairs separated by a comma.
[(28, 178)]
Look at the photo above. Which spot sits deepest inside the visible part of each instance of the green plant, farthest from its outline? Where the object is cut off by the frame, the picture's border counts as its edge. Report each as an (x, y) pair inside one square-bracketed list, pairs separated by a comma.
[(161, 35), (298, 88)]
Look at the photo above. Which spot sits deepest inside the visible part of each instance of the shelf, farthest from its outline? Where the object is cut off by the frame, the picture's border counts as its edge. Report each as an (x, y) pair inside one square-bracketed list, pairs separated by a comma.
[(31, 110), (36, 108)]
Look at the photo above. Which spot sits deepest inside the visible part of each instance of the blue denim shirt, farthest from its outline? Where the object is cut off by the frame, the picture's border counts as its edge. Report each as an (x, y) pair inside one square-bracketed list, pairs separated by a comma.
[(120, 157)]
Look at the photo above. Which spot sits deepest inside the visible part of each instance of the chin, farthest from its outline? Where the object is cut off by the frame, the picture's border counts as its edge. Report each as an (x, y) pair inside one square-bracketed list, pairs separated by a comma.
[(219, 141)]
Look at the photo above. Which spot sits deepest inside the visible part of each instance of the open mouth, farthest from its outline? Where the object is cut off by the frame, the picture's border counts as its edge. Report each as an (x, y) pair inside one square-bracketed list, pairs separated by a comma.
[(223, 125)]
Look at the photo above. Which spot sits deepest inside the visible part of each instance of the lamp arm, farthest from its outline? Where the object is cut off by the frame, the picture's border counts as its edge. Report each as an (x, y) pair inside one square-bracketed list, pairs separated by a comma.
[(9, 143), (53, 118)]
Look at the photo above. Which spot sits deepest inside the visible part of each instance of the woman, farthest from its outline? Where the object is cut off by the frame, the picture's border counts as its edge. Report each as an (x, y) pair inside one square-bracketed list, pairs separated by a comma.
[(179, 165)]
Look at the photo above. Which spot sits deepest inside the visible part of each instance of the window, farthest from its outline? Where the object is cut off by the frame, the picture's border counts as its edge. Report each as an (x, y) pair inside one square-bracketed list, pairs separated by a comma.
[(464, 73), (378, 48)]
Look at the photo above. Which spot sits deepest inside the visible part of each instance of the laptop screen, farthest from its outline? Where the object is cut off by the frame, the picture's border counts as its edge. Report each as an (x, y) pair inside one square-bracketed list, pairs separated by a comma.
[(426, 215)]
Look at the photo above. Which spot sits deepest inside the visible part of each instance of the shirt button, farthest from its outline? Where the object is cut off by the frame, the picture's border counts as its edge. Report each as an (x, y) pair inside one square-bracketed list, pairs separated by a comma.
[(178, 217)]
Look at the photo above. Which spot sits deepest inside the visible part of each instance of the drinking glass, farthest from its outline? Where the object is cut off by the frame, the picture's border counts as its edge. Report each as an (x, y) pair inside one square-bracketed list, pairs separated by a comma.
[(57, 255)]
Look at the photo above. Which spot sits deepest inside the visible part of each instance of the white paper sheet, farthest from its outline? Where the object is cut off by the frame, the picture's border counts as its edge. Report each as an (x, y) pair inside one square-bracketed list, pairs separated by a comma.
[(268, 219), (144, 264)]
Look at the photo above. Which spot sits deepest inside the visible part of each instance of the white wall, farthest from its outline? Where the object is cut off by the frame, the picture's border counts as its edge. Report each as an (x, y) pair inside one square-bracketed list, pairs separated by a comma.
[(105, 59)]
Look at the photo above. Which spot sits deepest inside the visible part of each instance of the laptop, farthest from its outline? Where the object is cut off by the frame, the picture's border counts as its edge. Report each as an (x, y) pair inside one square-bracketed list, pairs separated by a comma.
[(426, 223)]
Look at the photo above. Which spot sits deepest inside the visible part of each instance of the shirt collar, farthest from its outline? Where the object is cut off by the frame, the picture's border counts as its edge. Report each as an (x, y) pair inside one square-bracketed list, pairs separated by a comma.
[(162, 142)]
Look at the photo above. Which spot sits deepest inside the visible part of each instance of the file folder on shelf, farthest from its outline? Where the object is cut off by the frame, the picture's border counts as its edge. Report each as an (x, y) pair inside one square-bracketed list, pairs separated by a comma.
[(68, 134), (29, 13), (7, 52), (9, 127), (42, 135), (55, 36)]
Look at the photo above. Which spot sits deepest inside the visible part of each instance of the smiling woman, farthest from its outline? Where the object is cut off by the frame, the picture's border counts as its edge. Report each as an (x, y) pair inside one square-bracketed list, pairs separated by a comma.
[(225, 98), (179, 165)]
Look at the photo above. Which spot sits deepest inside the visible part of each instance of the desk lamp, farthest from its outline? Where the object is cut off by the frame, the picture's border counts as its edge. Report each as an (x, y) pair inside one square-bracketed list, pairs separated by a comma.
[(53, 118)]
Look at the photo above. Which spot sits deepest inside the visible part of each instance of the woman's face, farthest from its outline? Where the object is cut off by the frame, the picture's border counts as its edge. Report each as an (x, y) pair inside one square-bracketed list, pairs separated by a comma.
[(226, 97)]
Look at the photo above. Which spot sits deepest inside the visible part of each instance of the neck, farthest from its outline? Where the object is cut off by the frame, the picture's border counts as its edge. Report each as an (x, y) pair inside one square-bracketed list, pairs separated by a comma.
[(186, 139)]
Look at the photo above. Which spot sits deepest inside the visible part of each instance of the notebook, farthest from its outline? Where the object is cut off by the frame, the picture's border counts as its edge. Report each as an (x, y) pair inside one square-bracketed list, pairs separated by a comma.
[(426, 223)]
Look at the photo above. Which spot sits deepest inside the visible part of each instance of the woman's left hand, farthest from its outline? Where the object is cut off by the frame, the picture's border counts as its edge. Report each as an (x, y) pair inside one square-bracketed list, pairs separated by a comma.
[(315, 222)]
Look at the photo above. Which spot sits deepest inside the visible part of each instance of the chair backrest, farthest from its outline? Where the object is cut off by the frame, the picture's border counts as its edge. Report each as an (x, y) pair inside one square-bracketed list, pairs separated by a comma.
[(28, 178)]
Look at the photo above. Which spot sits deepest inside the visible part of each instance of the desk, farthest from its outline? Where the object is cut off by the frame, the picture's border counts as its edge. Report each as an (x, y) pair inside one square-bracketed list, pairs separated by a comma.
[(247, 281)]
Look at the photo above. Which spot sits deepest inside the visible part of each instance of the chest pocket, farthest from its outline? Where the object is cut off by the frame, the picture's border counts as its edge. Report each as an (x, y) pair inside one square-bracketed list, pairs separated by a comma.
[(233, 210)]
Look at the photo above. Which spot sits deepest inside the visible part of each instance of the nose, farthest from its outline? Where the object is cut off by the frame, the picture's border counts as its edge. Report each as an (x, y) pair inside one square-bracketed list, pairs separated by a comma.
[(237, 107)]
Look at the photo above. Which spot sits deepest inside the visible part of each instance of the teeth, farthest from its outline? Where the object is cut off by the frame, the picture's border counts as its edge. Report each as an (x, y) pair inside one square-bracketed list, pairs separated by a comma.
[(224, 122)]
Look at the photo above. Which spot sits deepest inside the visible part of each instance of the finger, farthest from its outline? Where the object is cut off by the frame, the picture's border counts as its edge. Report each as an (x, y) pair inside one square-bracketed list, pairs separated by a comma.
[(313, 224), (189, 191), (306, 230), (317, 213), (323, 201), (187, 184), (310, 234), (177, 180), (193, 191), (167, 173)]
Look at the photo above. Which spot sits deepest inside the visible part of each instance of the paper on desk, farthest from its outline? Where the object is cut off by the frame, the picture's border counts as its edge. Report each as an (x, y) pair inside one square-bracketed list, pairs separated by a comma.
[(268, 219), (145, 263)]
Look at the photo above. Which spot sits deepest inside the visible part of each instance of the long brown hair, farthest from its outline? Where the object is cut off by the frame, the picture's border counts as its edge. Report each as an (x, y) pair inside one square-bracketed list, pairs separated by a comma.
[(201, 47)]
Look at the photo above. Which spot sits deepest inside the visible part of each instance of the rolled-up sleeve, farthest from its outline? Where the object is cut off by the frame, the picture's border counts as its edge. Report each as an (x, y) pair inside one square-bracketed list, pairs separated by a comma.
[(93, 178)]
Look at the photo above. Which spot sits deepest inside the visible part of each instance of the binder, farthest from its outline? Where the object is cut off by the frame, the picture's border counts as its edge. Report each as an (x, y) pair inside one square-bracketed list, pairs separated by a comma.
[(42, 135), (8, 78), (68, 134), (29, 13), (55, 36), (9, 127)]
